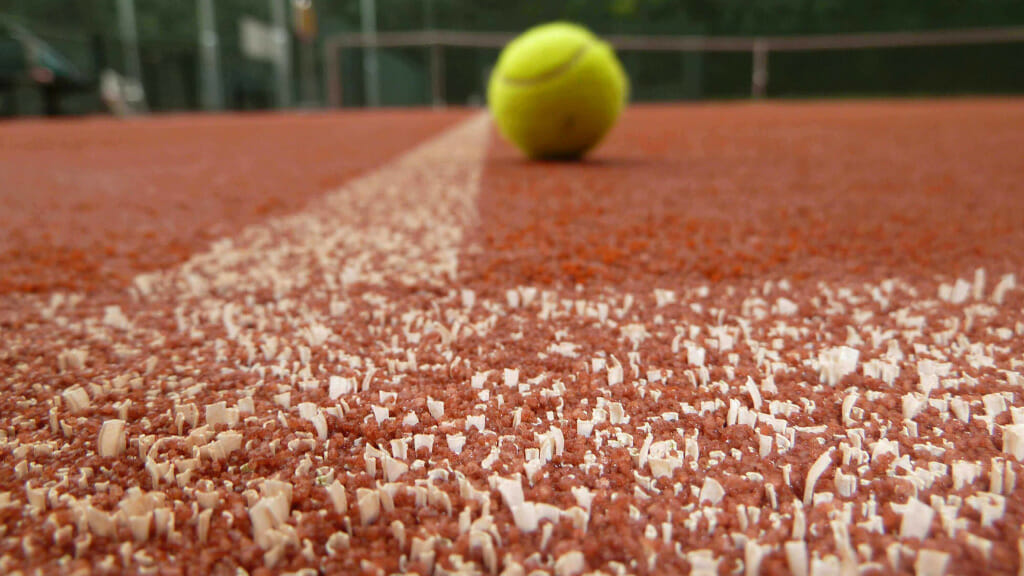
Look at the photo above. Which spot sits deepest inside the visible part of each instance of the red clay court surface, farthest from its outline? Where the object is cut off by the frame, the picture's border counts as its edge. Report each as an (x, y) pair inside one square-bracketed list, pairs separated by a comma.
[(92, 202), (771, 338)]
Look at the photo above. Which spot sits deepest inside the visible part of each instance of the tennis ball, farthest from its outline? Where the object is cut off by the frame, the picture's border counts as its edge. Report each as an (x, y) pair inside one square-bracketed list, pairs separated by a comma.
[(556, 91)]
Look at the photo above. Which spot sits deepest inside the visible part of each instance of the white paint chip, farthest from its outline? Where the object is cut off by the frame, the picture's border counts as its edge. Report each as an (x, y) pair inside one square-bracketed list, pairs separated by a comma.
[(711, 492), (917, 520), (111, 442)]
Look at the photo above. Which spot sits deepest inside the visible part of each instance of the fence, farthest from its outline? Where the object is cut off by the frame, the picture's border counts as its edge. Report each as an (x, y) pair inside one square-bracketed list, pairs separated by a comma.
[(451, 68), (718, 60)]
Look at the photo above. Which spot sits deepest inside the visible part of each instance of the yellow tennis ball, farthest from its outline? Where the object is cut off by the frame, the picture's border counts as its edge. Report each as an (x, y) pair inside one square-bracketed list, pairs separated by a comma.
[(556, 91)]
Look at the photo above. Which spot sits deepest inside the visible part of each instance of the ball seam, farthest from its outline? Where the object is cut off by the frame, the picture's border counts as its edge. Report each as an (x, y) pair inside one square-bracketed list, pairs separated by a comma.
[(552, 73)]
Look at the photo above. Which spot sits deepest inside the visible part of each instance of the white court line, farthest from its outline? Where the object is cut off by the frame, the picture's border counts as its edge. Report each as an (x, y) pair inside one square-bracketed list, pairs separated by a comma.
[(403, 223)]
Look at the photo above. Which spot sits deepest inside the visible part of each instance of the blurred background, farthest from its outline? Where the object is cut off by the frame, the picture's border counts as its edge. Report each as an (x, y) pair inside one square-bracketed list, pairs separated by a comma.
[(63, 57)]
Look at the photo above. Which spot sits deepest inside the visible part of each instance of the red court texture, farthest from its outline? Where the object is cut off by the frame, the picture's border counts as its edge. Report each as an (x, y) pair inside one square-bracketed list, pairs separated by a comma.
[(89, 203), (757, 338)]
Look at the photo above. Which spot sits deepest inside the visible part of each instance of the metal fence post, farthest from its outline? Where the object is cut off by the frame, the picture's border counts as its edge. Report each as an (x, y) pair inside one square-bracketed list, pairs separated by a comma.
[(332, 62), (211, 94), (436, 72), (759, 76), (368, 15), (130, 39), (282, 54), (693, 73)]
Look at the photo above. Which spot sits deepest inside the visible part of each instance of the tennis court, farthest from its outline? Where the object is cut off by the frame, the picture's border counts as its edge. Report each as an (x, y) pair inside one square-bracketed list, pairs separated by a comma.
[(780, 337)]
